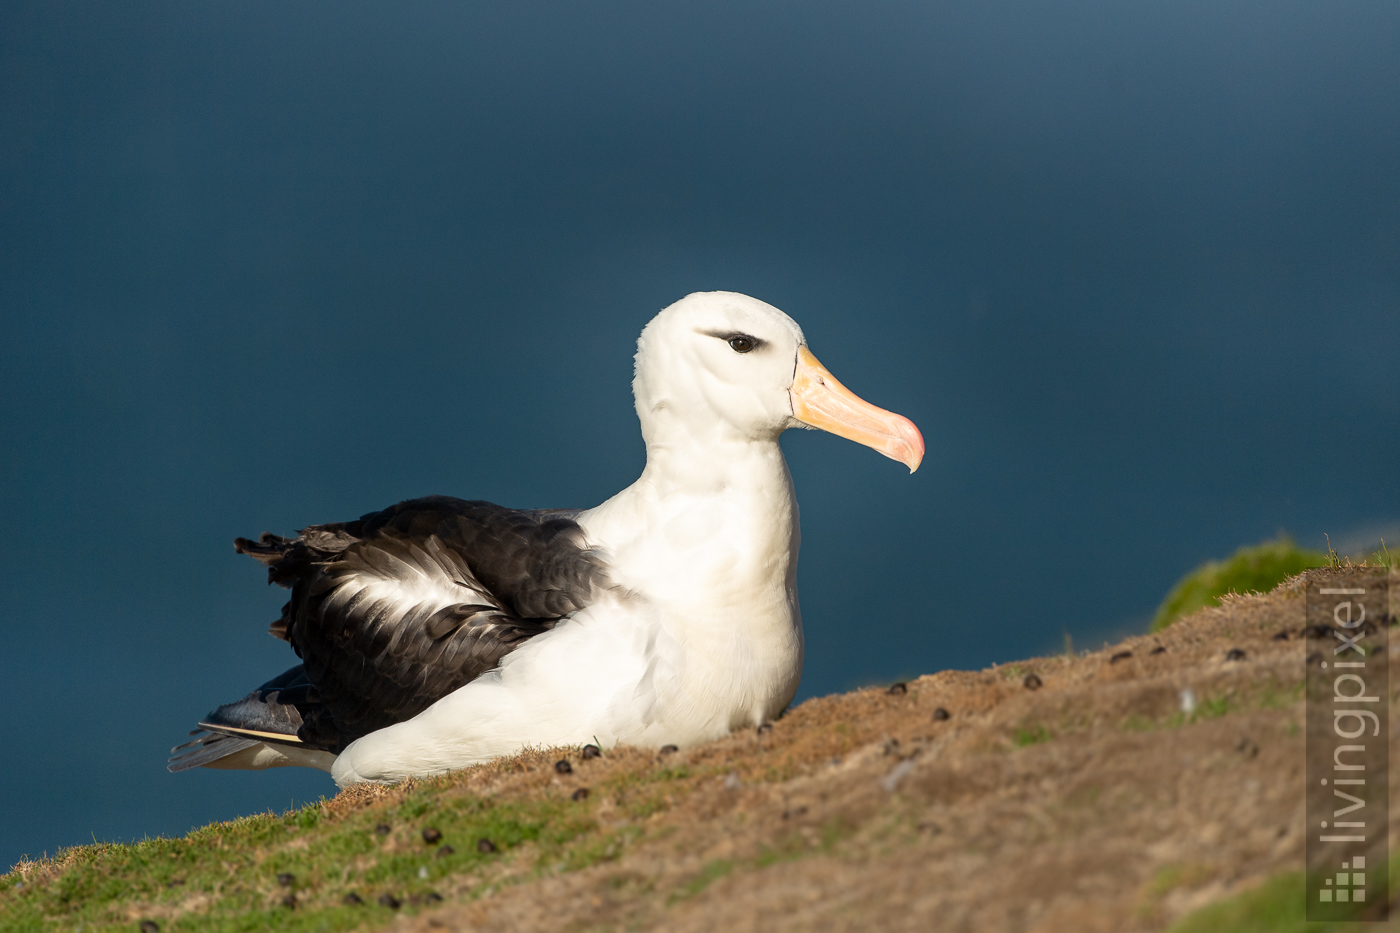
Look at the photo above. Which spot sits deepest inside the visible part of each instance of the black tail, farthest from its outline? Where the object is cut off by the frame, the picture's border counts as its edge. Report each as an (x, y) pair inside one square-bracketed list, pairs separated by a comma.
[(209, 747), (276, 713)]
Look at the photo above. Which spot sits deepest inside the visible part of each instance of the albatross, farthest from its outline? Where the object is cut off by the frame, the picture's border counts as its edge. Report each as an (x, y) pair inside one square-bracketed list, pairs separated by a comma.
[(441, 633)]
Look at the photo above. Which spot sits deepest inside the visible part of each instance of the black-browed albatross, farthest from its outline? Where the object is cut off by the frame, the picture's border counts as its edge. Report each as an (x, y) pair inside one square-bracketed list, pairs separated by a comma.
[(440, 633)]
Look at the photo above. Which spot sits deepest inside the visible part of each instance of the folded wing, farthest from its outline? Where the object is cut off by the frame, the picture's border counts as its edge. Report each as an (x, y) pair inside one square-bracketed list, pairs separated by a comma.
[(394, 611)]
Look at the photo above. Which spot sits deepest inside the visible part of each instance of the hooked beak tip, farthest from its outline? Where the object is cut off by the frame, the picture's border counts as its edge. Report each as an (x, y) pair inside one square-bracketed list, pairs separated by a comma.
[(821, 401), (913, 453)]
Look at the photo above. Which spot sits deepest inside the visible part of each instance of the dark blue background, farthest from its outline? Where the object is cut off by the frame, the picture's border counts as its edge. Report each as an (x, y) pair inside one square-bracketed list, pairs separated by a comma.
[(1134, 269)]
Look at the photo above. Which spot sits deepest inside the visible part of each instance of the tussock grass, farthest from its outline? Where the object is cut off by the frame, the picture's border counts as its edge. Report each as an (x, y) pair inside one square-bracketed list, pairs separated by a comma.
[(1256, 569)]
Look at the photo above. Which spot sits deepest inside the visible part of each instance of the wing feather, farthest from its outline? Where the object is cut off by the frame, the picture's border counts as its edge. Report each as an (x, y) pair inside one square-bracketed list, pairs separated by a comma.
[(394, 611)]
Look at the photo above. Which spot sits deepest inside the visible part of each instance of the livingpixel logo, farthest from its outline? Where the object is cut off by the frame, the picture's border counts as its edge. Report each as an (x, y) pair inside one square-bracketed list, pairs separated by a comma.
[(1348, 751), (1350, 886)]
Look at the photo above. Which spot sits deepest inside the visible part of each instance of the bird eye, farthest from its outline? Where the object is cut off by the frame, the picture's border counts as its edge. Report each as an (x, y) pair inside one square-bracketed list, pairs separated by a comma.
[(741, 343)]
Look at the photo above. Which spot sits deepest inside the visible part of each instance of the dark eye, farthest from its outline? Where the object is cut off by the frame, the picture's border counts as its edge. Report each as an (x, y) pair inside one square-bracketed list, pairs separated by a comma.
[(742, 343)]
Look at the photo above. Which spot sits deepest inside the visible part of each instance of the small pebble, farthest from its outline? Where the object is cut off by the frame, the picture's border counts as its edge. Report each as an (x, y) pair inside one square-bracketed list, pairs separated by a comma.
[(563, 766), (445, 851), (486, 846), (941, 714), (431, 835), (388, 900), (1235, 654), (669, 749), (765, 729), (1158, 650), (1032, 682), (1281, 636), (898, 689), (1120, 656), (382, 829), (150, 926), (352, 900), (290, 901), (891, 781), (423, 873), (580, 794), (591, 751), (286, 879)]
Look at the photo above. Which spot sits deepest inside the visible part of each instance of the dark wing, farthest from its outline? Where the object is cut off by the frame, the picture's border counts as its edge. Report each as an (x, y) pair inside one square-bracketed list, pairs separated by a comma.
[(394, 611)]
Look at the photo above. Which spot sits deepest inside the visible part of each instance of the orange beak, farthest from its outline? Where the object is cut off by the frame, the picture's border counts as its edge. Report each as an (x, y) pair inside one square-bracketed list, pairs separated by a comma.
[(820, 400)]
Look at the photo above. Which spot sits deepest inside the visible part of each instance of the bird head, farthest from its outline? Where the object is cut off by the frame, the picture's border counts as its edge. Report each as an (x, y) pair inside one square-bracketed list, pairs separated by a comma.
[(725, 364)]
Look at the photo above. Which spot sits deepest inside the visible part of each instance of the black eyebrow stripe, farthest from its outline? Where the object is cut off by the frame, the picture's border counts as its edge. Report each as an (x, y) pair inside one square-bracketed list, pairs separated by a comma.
[(730, 335)]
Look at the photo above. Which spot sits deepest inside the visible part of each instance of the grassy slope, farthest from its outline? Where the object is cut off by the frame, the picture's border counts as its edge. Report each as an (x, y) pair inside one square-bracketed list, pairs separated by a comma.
[(368, 842), (1092, 801)]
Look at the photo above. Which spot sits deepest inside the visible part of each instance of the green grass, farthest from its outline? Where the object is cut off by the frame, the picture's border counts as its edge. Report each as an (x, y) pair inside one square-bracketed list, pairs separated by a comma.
[(1276, 906), (1178, 875), (795, 845), (1030, 735), (1256, 569), (224, 877), (233, 867), (709, 873), (1206, 709), (1274, 695)]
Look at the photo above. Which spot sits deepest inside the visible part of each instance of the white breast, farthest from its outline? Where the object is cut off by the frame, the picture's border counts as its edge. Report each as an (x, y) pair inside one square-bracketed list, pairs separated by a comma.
[(718, 563)]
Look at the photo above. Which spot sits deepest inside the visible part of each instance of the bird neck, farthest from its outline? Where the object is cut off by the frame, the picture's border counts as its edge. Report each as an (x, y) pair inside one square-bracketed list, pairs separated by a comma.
[(712, 518), (723, 464)]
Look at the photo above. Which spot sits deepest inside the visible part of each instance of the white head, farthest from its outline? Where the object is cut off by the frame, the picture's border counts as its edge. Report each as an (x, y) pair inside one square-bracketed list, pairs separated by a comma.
[(724, 366)]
